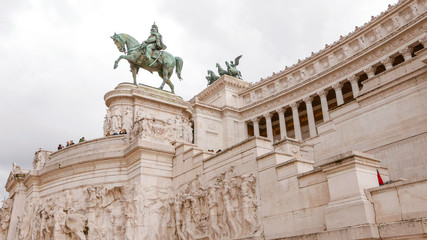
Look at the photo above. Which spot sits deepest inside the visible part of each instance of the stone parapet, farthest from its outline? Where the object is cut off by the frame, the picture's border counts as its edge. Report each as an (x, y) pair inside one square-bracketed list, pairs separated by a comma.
[(399, 201)]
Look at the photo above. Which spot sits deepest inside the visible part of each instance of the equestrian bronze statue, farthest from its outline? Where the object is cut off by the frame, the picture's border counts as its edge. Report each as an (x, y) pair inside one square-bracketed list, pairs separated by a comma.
[(149, 55)]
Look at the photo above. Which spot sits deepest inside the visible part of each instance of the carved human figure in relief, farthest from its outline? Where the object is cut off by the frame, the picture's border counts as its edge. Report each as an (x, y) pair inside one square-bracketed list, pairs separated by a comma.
[(76, 225), (117, 219), (179, 129), (5, 212), (131, 224), (25, 228), (45, 232), (236, 199), (194, 193), (179, 221), (214, 196), (107, 121), (166, 214), (127, 119), (140, 114), (187, 131), (190, 226), (249, 202), (229, 211), (40, 159), (116, 119), (169, 130)]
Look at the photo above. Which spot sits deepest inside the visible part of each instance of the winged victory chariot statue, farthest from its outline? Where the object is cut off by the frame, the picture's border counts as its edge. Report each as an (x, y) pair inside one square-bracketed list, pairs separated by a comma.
[(231, 71), (149, 55)]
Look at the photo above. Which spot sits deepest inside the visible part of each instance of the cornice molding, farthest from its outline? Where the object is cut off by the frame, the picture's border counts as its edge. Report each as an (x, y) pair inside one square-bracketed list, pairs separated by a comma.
[(224, 82)]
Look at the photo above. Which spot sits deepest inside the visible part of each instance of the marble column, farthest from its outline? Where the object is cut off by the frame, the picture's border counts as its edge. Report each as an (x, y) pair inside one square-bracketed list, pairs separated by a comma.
[(297, 126), (282, 122), (310, 116), (354, 86), (324, 102), (338, 92), (269, 126), (406, 53), (255, 122)]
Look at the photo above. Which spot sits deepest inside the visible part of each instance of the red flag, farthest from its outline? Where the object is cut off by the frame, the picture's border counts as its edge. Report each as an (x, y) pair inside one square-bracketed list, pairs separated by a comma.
[(380, 180)]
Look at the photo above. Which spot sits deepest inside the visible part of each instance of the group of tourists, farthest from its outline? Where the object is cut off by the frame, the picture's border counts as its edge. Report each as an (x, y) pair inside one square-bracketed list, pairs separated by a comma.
[(70, 143), (123, 131)]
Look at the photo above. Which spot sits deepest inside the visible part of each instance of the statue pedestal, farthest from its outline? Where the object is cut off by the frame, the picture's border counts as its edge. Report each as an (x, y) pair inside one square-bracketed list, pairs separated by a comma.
[(148, 113)]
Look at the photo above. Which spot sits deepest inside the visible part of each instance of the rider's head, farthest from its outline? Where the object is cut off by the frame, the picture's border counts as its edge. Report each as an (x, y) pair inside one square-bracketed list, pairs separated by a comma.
[(154, 28)]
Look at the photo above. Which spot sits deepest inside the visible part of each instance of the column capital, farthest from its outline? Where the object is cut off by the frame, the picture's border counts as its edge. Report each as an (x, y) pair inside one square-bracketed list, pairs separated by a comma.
[(387, 61), (322, 93), (308, 99), (352, 79), (267, 115), (406, 53), (370, 71), (255, 120), (280, 110), (294, 105), (337, 86)]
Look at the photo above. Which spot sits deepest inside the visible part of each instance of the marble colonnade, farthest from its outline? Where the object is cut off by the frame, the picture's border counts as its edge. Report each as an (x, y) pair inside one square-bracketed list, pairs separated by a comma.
[(387, 63)]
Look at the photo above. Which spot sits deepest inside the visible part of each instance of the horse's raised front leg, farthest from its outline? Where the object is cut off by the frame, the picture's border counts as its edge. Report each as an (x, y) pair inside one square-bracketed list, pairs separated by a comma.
[(127, 57), (116, 63)]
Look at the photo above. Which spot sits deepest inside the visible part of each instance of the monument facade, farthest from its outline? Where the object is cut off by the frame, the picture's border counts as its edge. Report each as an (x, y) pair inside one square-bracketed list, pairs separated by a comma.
[(296, 155)]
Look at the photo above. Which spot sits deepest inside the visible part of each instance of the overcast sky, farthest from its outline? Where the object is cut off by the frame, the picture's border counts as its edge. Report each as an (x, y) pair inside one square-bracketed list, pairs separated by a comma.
[(57, 57)]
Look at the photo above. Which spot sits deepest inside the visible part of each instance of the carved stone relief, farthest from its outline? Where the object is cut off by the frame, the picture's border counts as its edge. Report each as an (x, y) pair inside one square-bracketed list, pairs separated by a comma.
[(74, 214), (5, 213), (406, 15), (224, 208), (147, 124), (40, 159), (173, 129)]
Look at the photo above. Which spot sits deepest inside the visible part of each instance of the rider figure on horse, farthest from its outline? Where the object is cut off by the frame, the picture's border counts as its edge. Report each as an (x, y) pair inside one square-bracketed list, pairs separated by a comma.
[(153, 42)]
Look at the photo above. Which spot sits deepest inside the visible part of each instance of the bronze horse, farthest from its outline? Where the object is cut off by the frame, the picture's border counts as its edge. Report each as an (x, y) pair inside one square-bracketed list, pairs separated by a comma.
[(163, 64)]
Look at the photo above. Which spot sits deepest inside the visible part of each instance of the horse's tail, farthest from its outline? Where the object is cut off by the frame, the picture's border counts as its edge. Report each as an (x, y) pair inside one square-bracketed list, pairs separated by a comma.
[(179, 64)]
